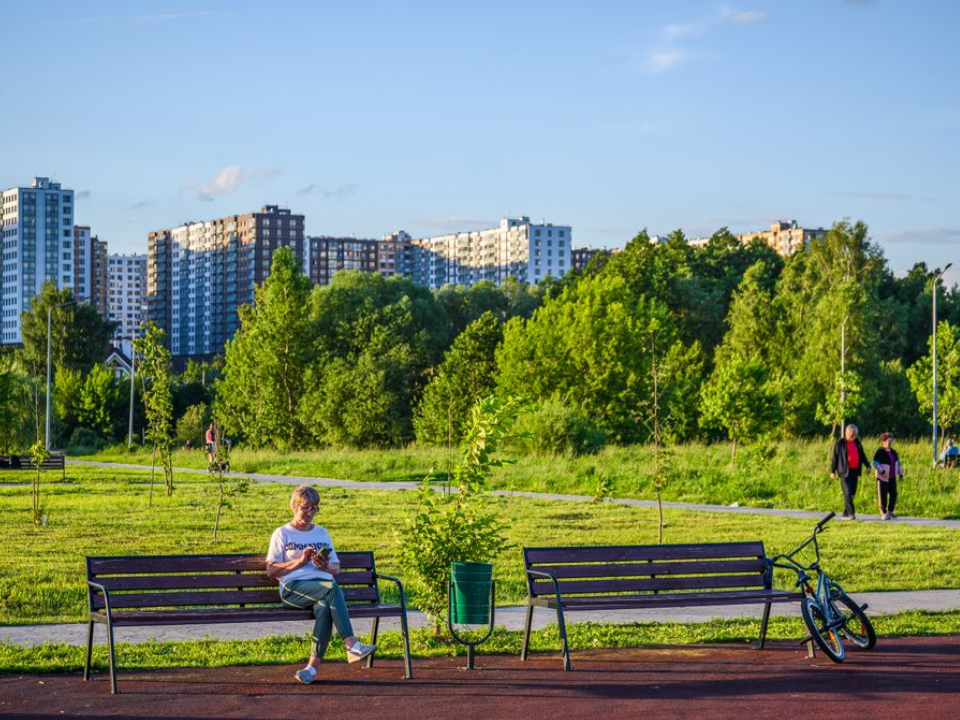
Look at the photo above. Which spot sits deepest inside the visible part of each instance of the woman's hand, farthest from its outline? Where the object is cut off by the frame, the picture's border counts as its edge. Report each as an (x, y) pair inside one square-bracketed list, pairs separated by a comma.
[(308, 554)]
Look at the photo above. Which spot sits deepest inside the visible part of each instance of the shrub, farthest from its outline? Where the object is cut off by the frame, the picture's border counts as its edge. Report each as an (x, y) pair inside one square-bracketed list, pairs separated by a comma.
[(559, 427), (84, 441)]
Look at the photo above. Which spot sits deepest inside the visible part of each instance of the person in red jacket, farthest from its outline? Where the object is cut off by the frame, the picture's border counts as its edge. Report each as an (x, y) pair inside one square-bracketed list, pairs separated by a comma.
[(847, 462)]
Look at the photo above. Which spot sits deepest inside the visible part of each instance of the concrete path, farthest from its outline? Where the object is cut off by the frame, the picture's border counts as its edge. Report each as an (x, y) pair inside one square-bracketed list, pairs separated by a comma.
[(400, 485), (880, 603)]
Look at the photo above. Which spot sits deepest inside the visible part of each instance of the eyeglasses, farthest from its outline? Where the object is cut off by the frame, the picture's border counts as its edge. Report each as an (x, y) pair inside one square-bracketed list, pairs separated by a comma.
[(308, 508)]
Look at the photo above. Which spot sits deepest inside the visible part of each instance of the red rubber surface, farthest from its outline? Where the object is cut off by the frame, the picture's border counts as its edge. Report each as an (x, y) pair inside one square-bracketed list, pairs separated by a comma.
[(903, 678)]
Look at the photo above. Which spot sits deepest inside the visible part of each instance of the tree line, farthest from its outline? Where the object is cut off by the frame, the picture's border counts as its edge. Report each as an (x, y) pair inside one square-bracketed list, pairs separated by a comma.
[(732, 340)]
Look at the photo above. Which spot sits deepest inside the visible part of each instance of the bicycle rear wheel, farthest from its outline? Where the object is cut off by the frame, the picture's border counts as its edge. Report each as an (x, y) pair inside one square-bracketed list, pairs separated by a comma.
[(826, 637), (856, 626)]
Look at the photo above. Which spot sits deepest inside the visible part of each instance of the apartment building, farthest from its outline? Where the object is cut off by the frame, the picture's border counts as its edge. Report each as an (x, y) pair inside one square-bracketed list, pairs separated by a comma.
[(199, 273), (516, 248), (37, 234), (127, 297), (329, 255), (90, 268), (785, 236)]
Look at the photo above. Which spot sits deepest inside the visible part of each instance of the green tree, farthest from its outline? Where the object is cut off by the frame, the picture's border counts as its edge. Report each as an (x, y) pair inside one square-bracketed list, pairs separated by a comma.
[(738, 399), (79, 336), (842, 403), (11, 405), (920, 375), (155, 374), (588, 345), (467, 373), (266, 362)]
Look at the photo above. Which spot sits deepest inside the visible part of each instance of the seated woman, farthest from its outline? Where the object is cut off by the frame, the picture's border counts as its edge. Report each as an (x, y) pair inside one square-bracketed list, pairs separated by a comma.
[(301, 555)]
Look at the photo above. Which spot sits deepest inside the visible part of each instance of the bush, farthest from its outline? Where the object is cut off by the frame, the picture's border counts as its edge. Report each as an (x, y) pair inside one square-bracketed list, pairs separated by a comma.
[(84, 441), (558, 427)]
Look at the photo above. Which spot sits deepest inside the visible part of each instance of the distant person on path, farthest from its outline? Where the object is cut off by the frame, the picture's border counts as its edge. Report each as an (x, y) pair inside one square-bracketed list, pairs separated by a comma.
[(211, 440), (949, 454), (301, 555), (889, 472), (847, 462)]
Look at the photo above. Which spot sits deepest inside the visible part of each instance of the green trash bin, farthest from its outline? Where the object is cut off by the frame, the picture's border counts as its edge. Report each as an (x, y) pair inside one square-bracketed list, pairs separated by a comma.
[(470, 587)]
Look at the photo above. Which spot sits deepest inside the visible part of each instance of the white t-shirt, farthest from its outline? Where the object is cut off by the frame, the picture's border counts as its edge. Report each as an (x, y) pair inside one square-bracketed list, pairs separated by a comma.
[(288, 544)]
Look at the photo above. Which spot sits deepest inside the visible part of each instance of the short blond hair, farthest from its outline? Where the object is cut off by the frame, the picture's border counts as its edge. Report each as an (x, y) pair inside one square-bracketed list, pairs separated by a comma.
[(306, 494)]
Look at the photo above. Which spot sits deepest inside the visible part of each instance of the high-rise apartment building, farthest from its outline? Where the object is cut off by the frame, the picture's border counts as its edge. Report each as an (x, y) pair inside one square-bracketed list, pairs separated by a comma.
[(127, 297), (398, 255), (90, 268), (785, 236), (517, 248), (328, 255), (37, 234), (198, 274)]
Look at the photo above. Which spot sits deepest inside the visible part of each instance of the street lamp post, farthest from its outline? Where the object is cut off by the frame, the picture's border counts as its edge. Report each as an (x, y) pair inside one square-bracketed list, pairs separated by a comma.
[(843, 370), (133, 371), (936, 280), (49, 373)]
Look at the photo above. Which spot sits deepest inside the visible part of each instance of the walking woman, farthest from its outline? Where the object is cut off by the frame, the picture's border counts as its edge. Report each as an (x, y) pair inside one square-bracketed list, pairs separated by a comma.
[(847, 462), (301, 555), (889, 471)]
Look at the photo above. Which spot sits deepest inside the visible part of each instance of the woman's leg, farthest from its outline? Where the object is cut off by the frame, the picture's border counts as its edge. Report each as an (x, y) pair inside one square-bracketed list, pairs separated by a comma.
[(311, 594), (892, 498)]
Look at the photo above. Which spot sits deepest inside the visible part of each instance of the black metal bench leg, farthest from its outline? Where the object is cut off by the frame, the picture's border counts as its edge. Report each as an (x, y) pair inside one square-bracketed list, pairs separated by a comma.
[(526, 633), (86, 667), (408, 665), (763, 626), (563, 636), (113, 659), (373, 640)]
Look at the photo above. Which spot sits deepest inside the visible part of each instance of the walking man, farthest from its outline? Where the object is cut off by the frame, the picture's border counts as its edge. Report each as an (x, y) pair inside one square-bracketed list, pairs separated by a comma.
[(847, 462)]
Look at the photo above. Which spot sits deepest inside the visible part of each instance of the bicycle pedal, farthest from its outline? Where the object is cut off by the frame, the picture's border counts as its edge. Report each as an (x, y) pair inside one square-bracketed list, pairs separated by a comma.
[(864, 606)]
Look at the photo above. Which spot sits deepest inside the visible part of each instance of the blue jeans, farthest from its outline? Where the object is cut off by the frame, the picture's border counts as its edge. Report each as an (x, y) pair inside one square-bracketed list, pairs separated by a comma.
[(325, 598)]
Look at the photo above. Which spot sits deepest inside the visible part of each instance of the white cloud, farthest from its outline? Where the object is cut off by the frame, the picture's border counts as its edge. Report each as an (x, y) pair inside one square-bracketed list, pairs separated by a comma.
[(747, 17), (229, 179), (328, 193), (661, 61)]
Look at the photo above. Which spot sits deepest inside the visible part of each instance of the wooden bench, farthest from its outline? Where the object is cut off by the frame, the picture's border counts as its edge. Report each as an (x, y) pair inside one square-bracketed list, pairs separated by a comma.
[(214, 589), (648, 576), (55, 461)]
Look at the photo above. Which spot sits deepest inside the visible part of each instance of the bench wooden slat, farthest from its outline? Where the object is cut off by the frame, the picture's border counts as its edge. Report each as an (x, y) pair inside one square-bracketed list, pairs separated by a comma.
[(211, 582), (237, 615), (634, 553), (163, 564), (212, 598), (627, 602), (637, 585), (692, 567)]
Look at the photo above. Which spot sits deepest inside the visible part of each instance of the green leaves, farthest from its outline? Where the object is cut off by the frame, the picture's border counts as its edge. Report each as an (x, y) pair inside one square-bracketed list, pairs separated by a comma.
[(948, 377)]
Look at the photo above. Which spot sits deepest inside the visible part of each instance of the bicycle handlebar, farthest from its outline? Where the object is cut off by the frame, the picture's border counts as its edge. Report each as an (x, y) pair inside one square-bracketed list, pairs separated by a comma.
[(827, 519)]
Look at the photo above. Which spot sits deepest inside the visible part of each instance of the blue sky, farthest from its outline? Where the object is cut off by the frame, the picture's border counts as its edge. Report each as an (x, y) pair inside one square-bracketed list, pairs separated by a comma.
[(607, 116)]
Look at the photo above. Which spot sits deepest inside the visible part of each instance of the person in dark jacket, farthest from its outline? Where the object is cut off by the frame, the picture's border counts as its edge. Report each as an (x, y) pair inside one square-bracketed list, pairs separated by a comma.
[(889, 471), (848, 462)]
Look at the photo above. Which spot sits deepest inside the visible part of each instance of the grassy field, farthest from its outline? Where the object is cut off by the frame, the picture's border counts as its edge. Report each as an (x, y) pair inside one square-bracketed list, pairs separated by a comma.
[(292, 650), (790, 474), (105, 511)]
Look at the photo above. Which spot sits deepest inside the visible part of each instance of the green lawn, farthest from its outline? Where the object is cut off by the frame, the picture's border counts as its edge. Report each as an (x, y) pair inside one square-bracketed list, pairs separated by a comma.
[(104, 512), (789, 474)]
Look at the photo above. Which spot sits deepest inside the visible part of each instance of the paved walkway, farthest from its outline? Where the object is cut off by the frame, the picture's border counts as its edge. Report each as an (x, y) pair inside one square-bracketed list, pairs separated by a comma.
[(401, 485), (879, 603)]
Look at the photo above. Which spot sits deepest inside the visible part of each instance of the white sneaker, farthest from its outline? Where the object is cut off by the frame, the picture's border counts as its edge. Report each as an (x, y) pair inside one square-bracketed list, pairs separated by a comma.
[(358, 651), (305, 676), (885, 516)]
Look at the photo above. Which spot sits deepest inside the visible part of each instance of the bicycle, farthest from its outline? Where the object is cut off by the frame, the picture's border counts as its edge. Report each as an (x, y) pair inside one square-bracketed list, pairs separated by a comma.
[(828, 612)]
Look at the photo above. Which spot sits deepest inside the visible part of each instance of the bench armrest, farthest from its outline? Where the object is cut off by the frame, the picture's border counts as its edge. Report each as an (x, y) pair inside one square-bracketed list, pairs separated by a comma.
[(391, 578), (556, 583), (93, 587)]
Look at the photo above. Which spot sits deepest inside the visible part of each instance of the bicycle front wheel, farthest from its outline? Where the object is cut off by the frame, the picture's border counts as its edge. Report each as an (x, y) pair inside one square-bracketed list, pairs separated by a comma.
[(856, 626), (827, 638)]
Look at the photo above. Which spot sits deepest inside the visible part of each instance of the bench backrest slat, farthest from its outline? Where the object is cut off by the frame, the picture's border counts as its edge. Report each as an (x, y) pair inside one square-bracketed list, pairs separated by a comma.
[(626, 553), (643, 585), (211, 580), (610, 570)]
